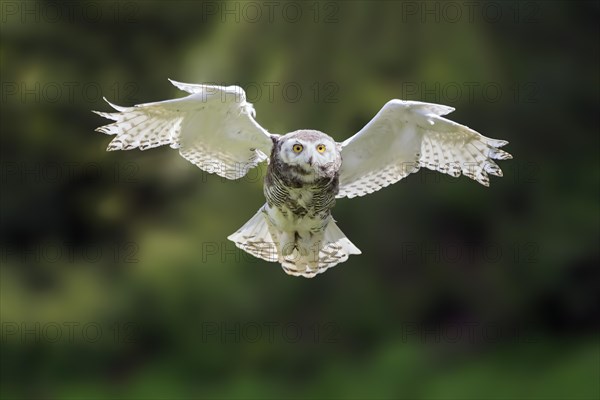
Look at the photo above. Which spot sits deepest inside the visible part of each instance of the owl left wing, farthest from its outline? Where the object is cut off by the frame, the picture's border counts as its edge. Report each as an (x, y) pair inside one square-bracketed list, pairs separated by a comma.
[(407, 135), (213, 128)]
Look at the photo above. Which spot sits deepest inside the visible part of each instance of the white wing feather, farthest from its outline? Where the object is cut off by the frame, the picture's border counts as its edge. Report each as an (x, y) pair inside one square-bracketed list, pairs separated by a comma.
[(407, 135), (213, 128)]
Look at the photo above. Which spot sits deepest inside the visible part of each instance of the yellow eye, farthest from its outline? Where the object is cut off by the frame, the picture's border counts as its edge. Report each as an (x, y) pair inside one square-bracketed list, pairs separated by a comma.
[(321, 148), (297, 148)]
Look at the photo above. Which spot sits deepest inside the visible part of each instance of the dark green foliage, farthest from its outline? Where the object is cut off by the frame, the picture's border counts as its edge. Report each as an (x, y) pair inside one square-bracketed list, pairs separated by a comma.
[(116, 276)]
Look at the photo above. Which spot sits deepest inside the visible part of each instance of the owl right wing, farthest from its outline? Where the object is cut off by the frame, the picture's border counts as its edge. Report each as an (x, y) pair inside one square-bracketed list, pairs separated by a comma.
[(213, 128), (407, 135)]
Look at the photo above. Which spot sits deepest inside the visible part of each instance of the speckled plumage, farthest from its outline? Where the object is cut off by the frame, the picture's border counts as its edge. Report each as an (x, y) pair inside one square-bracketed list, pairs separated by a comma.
[(214, 128), (299, 202), (282, 180)]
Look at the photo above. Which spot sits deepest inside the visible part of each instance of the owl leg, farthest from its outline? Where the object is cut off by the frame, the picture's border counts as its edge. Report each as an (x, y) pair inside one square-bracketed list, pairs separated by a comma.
[(296, 252), (287, 243), (309, 245)]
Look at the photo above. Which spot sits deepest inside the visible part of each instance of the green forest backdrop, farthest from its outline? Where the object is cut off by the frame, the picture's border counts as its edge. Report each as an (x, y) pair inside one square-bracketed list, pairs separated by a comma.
[(116, 276)]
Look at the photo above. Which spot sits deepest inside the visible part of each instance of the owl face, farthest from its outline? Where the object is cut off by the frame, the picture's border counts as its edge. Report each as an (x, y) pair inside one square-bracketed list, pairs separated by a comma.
[(311, 154)]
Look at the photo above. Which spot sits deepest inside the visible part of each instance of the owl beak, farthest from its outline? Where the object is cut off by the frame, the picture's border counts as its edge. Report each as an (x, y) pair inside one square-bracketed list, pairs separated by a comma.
[(310, 161)]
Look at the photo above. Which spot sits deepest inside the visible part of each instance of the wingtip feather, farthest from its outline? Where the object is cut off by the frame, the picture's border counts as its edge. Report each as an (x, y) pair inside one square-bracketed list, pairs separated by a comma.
[(175, 83), (116, 107), (496, 142)]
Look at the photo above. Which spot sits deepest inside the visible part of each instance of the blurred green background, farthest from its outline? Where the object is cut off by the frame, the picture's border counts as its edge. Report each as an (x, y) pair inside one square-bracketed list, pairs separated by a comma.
[(117, 279)]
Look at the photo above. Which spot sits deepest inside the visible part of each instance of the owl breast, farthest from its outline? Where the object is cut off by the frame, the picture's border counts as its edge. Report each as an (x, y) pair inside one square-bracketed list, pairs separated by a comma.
[(296, 199)]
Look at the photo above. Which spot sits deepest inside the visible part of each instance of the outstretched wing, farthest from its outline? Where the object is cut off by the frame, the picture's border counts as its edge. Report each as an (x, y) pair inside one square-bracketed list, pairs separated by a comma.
[(213, 128), (407, 135)]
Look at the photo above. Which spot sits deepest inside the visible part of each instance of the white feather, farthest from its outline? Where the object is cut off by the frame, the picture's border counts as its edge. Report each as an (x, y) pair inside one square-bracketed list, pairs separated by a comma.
[(407, 135), (213, 128), (255, 238)]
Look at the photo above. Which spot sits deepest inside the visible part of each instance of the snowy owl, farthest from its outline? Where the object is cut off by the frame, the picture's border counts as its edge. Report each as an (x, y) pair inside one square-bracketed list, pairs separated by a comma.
[(214, 128)]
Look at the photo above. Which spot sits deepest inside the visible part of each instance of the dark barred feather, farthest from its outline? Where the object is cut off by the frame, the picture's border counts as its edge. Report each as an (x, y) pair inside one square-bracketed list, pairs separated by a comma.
[(285, 192)]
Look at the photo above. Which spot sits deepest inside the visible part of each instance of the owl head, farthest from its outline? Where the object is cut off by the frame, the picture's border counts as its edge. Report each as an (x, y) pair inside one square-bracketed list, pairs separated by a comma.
[(309, 154)]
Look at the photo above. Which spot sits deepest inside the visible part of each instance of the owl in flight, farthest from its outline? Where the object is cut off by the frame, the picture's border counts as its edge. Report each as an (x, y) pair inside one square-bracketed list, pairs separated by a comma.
[(214, 128)]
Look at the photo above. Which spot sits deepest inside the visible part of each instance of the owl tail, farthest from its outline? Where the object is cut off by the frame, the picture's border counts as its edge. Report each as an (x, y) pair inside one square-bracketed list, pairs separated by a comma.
[(255, 238), (306, 258), (320, 254)]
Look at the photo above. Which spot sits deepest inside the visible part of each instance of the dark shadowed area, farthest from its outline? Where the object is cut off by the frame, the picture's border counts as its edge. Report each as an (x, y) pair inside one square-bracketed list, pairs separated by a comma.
[(117, 280)]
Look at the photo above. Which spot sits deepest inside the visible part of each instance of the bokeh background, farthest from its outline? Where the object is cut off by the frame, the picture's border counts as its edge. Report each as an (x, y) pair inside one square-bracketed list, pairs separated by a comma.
[(117, 279)]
